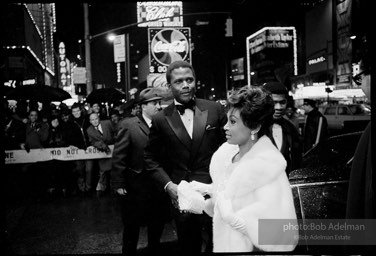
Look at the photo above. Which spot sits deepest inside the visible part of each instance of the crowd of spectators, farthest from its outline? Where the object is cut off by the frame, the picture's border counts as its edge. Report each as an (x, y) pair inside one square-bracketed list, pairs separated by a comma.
[(33, 125)]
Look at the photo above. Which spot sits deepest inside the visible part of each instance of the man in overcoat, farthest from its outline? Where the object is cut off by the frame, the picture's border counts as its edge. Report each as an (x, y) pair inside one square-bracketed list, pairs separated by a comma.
[(182, 140), (138, 196)]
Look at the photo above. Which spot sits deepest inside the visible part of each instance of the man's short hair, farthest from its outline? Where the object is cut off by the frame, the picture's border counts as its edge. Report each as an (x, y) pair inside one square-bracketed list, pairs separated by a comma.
[(76, 105), (310, 102), (175, 65), (275, 88)]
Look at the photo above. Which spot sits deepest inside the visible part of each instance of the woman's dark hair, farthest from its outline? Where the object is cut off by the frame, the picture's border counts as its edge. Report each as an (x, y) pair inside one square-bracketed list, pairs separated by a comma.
[(256, 107)]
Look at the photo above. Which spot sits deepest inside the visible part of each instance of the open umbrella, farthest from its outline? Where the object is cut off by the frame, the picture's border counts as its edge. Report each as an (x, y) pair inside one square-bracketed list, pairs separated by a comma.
[(105, 95), (41, 93)]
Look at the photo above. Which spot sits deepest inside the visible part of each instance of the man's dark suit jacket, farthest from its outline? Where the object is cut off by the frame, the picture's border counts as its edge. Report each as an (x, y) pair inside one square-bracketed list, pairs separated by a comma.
[(291, 147), (171, 155), (101, 140), (142, 197), (129, 148)]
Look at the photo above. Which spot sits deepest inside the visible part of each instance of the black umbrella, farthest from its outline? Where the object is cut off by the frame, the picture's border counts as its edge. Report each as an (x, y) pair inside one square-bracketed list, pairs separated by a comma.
[(105, 95), (41, 93)]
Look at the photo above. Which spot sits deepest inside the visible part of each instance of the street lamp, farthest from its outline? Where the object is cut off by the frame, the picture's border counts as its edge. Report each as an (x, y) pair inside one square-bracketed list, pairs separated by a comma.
[(111, 37)]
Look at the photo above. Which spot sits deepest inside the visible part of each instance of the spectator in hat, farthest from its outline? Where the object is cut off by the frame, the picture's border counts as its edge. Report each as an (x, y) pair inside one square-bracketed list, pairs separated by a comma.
[(316, 125), (138, 197), (284, 135)]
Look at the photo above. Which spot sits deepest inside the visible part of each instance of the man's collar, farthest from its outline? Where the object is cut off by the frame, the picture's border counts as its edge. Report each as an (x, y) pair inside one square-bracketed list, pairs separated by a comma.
[(147, 119)]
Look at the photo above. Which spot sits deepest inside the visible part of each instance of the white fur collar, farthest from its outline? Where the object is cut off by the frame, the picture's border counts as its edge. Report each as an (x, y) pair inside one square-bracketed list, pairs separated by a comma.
[(259, 166)]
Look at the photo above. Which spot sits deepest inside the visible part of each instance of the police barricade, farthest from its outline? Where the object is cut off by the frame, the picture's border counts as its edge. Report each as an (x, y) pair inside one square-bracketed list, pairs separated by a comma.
[(47, 154)]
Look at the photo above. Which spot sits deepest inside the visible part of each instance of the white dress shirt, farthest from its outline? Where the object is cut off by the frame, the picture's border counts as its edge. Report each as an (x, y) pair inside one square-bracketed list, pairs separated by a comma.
[(187, 119), (277, 135), (147, 120), (99, 128)]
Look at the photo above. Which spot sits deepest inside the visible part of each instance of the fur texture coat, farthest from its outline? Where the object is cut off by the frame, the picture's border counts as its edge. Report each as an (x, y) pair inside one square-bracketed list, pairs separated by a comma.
[(258, 188)]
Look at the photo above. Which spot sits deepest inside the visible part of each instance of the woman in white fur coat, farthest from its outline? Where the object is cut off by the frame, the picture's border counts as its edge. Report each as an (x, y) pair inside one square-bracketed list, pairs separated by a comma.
[(249, 181)]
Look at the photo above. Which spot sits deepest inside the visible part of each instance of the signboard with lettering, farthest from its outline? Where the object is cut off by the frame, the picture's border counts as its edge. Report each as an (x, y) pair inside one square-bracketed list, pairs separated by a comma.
[(47, 154), (164, 14), (166, 46), (79, 75), (119, 48), (63, 65), (272, 54)]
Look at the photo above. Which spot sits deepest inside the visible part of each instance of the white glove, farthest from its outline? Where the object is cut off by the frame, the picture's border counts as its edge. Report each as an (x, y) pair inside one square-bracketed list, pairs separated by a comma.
[(209, 207), (190, 200), (204, 189), (228, 215)]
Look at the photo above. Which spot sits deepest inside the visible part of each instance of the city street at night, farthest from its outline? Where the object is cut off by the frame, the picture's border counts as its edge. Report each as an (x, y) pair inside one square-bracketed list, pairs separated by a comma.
[(120, 116)]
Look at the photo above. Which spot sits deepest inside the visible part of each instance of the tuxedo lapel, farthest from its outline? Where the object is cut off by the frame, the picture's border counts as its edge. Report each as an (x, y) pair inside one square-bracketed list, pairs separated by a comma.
[(178, 127), (199, 122)]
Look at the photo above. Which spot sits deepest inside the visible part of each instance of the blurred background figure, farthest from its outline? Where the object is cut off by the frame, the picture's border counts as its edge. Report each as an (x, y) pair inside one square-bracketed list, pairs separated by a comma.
[(316, 125), (101, 135), (284, 135), (361, 194), (36, 136), (83, 170), (130, 109), (59, 172), (115, 119), (14, 131), (97, 108), (291, 115)]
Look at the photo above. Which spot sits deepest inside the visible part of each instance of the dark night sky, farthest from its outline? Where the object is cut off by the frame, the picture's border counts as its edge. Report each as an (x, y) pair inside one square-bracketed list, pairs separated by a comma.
[(210, 43)]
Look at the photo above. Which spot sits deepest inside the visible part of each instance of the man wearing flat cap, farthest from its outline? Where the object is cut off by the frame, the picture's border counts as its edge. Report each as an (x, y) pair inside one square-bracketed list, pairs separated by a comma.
[(316, 125), (140, 202), (285, 135), (182, 140)]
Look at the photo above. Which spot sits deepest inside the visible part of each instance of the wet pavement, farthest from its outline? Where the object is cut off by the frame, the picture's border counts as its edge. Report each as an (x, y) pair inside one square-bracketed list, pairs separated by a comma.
[(76, 224), (72, 225)]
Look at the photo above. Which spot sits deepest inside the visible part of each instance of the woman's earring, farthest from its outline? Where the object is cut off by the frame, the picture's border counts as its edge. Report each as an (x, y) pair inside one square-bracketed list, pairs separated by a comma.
[(253, 133)]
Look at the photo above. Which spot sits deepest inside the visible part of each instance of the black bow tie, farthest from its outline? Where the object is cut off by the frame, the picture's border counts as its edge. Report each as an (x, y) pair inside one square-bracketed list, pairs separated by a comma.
[(181, 108)]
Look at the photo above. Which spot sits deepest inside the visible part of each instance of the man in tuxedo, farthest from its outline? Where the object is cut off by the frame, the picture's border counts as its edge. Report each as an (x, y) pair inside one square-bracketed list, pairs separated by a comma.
[(284, 134), (138, 196), (182, 140), (101, 134)]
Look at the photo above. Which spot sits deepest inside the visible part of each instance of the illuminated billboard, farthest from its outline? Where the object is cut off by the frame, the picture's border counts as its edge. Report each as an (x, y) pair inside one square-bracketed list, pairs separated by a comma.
[(271, 55), (160, 14), (167, 45)]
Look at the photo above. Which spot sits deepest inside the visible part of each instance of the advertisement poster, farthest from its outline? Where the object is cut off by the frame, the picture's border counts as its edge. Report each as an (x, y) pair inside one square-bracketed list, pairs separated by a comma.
[(167, 45)]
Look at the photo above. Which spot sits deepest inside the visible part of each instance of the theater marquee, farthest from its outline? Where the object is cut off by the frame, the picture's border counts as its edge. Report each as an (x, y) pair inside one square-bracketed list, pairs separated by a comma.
[(272, 54)]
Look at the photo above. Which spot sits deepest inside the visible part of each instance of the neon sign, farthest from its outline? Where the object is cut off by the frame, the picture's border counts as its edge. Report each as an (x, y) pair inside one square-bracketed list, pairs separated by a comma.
[(62, 64), (164, 14), (316, 60)]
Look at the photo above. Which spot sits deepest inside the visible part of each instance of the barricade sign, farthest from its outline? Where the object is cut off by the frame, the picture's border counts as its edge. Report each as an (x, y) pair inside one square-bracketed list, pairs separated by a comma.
[(47, 154)]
